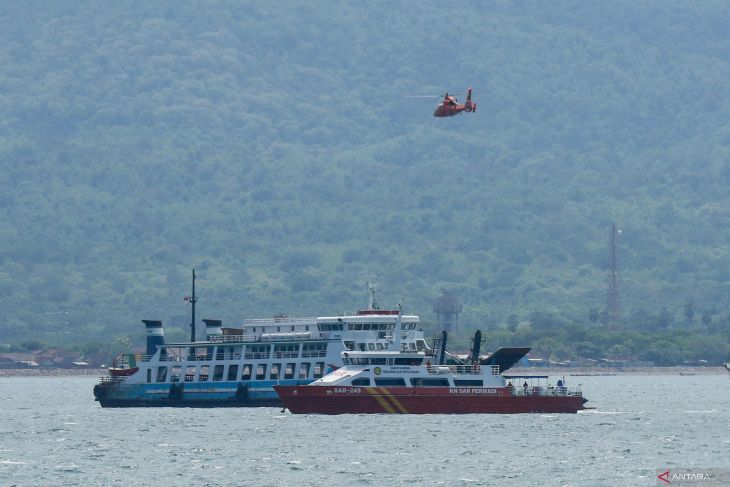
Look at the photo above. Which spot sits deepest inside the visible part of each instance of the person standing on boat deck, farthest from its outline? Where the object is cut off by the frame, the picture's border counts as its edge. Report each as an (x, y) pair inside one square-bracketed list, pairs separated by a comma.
[(524, 387)]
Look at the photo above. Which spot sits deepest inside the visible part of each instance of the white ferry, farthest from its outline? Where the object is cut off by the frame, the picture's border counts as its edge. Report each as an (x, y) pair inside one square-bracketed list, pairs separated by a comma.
[(237, 367)]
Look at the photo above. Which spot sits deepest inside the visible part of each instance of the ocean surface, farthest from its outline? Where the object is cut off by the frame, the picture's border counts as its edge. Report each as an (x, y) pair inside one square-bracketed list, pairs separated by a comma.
[(53, 433)]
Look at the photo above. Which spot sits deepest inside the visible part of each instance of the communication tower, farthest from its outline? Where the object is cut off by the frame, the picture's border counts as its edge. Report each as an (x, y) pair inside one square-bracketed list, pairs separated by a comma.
[(613, 306)]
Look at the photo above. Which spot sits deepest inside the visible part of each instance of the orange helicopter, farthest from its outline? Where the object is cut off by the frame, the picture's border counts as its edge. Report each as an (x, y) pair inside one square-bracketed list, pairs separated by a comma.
[(449, 106)]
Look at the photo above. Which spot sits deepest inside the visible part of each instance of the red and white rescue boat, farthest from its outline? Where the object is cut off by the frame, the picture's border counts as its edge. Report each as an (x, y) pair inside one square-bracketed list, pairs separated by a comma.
[(406, 382)]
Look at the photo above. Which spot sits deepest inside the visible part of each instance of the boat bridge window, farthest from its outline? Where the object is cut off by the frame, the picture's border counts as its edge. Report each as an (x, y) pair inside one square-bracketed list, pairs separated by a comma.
[(286, 350), (161, 374), (246, 372), (365, 361), (468, 382), (232, 372), (409, 361), (289, 371), (330, 327), (175, 373), (361, 381), (318, 370), (204, 373), (259, 351), (275, 368), (421, 345), (390, 381), (261, 372), (304, 370), (218, 373), (428, 382), (349, 345), (318, 349)]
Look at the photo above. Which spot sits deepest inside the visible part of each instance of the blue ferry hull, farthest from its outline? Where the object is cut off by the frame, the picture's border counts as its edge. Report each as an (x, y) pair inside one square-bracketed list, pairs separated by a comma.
[(192, 394)]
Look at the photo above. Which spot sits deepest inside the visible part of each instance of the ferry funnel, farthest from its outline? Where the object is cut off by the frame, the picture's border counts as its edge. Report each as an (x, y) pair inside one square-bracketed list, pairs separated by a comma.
[(213, 328), (155, 335)]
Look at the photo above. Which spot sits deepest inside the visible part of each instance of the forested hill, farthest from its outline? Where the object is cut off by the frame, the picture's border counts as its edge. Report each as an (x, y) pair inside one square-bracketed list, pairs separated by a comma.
[(274, 147)]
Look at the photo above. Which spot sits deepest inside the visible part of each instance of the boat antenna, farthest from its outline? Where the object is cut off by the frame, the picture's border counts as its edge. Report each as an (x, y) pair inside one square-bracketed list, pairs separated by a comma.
[(192, 299), (398, 328), (371, 296)]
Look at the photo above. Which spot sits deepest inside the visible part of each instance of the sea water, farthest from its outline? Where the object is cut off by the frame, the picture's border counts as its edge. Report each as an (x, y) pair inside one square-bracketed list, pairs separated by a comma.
[(53, 433)]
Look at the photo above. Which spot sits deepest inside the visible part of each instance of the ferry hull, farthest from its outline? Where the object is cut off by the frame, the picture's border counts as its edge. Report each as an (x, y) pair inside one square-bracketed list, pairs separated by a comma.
[(189, 394), (409, 400)]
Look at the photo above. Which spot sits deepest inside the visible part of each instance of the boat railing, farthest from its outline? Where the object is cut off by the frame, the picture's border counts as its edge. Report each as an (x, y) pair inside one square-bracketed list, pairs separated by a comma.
[(546, 391), (277, 321), (461, 369), (251, 337)]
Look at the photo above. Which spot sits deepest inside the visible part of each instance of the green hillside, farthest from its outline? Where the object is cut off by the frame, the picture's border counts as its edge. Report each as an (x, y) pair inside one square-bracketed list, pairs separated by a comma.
[(275, 148)]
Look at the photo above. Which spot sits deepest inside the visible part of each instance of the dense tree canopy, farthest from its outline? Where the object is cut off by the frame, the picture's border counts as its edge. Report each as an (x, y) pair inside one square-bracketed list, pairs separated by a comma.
[(273, 146)]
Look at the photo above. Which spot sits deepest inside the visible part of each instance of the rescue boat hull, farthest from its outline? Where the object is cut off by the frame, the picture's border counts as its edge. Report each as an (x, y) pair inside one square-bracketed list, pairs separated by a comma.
[(421, 400)]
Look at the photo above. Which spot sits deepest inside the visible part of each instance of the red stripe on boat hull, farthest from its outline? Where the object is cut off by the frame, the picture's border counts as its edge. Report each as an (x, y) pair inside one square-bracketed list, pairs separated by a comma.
[(415, 400)]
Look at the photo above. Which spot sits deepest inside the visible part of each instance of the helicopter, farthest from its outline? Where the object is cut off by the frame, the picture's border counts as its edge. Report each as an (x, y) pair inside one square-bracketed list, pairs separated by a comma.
[(449, 106)]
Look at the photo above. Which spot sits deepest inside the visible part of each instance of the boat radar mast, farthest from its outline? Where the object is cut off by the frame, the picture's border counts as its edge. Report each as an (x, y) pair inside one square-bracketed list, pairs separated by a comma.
[(371, 296), (192, 300)]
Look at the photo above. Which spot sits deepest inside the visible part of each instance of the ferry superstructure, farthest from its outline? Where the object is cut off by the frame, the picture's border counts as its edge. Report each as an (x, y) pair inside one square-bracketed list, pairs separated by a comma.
[(238, 367)]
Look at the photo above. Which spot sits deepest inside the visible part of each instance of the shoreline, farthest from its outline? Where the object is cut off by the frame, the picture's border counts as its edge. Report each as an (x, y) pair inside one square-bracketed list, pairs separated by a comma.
[(573, 371)]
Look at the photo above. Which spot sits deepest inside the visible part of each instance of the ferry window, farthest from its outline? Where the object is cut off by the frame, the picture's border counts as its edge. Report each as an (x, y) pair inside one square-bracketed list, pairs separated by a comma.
[(190, 373), (339, 326), (314, 349), (349, 326), (419, 382), (382, 326), (246, 372), (254, 329), (292, 328), (349, 345), (257, 351), (318, 370), (278, 328), (275, 371), (390, 381), (306, 328), (161, 374), (378, 361), (361, 381), (219, 353), (218, 373), (286, 350), (366, 326), (380, 346), (175, 374), (371, 346), (261, 372), (204, 373), (421, 345), (149, 375), (304, 370), (289, 371), (358, 326), (232, 372), (468, 382), (362, 347)]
